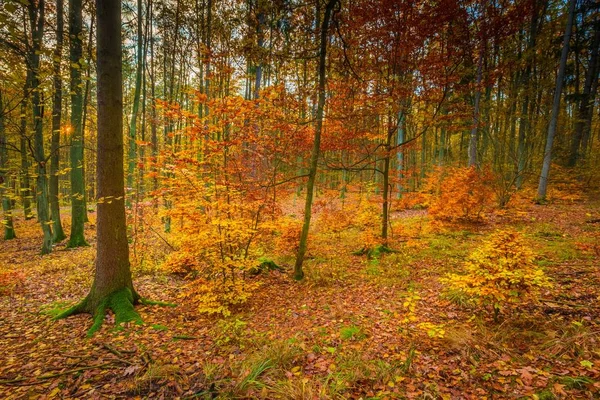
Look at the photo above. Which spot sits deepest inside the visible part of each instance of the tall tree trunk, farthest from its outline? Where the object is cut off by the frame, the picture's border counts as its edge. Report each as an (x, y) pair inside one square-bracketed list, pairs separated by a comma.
[(132, 155), (112, 287), (78, 211), (36, 19), (86, 97), (314, 157), (543, 184), (586, 105), (57, 228), (153, 129), (9, 230)]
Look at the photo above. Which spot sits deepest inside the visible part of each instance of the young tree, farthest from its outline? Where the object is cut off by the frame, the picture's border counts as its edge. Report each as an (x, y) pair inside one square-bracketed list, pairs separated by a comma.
[(112, 287), (314, 157)]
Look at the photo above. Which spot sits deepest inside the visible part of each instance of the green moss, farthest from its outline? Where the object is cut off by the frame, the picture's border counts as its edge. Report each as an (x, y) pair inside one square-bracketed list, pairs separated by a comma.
[(121, 303), (148, 302)]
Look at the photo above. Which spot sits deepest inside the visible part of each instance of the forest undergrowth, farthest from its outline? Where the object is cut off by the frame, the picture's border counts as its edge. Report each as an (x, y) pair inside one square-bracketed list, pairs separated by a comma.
[(383, 326)]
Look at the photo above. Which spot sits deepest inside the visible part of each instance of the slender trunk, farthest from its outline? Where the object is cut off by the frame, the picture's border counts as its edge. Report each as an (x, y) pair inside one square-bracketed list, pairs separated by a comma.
[(86, 96), (132, 155), (208, 55), (77, 237), (543, 185), (9, 230), (400, 153), (25, 184), (36, 18), (314, 158), (586, 105), (473, 137), (57, 228)]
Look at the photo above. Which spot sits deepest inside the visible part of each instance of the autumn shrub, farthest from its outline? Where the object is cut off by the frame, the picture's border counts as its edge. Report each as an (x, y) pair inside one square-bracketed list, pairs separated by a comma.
[(217, 249), (9, 280), (459, 194), (500, 273)]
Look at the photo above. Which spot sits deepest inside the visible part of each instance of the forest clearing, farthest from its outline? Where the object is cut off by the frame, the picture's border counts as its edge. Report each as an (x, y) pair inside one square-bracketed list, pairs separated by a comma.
[(323, 199)]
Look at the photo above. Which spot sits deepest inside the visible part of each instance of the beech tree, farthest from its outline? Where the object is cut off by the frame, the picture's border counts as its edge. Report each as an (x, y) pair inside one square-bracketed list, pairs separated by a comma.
[(113, 286), (78, 212)]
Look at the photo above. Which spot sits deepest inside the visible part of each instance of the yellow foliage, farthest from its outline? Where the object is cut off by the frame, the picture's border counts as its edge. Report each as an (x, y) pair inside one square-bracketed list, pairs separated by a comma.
[(500, 273), (216, 249)]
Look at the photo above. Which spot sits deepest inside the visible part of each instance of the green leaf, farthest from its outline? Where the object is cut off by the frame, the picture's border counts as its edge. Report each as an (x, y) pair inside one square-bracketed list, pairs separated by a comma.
[(586, 363)]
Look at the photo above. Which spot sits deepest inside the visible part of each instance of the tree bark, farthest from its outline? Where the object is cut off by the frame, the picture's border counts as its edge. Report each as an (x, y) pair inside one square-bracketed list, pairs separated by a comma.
[(586, 105), (57, 228), (112, 287), (24, 184), (78, 211), (314, 158), (473, 136), (36, 20), (9, 230), (132, 155), (543, 184)]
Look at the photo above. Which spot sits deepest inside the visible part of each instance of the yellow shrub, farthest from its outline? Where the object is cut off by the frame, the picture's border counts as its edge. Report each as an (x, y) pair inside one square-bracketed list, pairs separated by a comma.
[(500, 273)]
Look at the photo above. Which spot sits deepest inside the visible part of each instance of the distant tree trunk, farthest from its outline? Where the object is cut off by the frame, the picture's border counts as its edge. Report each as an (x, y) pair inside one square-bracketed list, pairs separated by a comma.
[(132, 155), (586, 105), (25, 185), (112, 287), (9, 230), (473, 137), (314, 158), (400, 153), (57, 228), (521, 146), (78, 211), (153, 129), (260, 43), (36, 19), (543, 185), (209, 53)]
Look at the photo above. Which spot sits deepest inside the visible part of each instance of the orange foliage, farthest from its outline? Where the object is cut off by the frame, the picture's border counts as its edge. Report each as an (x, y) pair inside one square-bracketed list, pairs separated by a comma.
[(459, 194)]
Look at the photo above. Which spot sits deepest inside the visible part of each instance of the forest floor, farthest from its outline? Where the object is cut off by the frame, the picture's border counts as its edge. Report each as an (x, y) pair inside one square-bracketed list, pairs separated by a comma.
[(342, 333)]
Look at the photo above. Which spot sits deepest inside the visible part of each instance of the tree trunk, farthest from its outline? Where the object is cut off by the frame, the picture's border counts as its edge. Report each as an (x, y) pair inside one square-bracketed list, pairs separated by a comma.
[(36, 19), (314, 158), (25, 185), (543, 184), (132, 155), (473, 137), (112, 287), (9, 230), (57, 228), (586, 106), (78, 211)]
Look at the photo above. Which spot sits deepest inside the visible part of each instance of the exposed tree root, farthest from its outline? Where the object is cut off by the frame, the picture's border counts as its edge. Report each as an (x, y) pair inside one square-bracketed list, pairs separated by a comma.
[(120, 302)]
